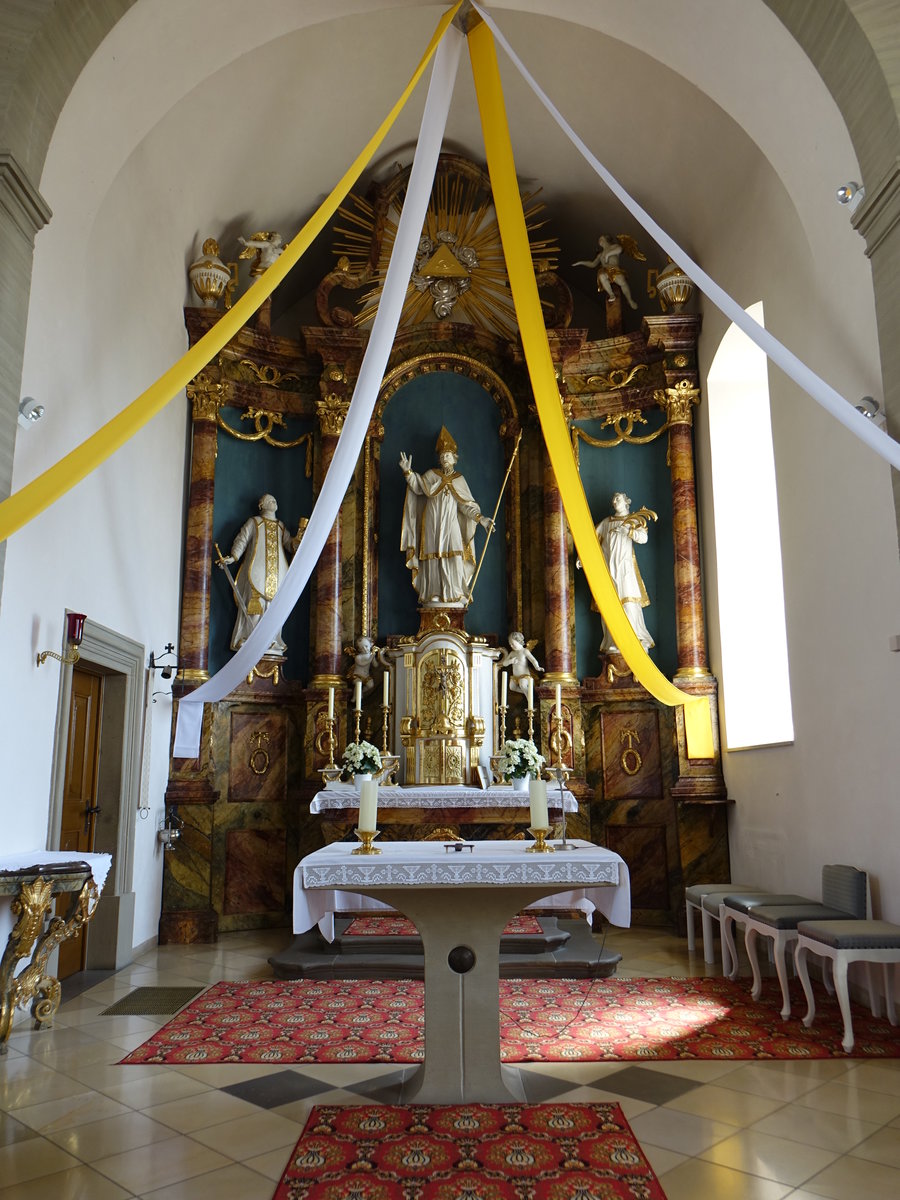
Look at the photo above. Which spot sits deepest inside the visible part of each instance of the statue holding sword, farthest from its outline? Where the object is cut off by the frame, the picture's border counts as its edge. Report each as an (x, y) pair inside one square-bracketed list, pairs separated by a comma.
[(262, 545)]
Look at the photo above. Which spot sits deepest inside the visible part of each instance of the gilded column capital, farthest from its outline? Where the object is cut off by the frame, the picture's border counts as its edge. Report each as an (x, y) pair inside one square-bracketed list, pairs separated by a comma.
[(678, 401), (332, 408), (206, 396)]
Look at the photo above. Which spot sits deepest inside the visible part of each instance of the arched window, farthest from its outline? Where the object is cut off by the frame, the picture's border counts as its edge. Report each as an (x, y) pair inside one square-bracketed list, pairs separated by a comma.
[(755, 680)]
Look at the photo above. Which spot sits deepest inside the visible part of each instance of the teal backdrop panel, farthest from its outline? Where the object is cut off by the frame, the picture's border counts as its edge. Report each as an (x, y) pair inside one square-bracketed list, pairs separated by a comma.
[(642, 473), (244, 472), (412, 421)]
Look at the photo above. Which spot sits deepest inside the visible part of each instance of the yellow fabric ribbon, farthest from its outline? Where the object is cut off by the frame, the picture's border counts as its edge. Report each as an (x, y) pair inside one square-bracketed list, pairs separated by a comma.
[(25, 504), (517, 252)]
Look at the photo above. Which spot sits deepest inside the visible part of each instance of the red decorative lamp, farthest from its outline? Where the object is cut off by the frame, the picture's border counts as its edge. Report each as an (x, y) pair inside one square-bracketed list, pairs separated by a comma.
[(74, 634)]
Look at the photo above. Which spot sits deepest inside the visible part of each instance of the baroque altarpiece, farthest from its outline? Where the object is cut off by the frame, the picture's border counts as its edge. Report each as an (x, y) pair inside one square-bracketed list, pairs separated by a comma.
[(266, 415)]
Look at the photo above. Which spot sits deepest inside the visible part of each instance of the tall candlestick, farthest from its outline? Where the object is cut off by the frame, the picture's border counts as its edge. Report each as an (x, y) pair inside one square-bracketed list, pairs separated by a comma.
[(537, 798), (357, 695), (368, 805), (559, 701), (330, 703), (387, 689), (503, 683)]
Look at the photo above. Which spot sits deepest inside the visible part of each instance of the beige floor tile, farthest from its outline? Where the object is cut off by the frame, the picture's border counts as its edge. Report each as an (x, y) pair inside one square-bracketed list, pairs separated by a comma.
[(700, 1069), (109, 1073), (725, 1104), (856, 1102), (24, 1083), (270, 1165), (149, 1168), (697, 1180), (31, 1160), (770, 1157), (877, 1076), (662, 1160), (78, 1183), (829, 1131), (248, 1136), (220, 1075), (187, 1115), (682, 1132), (100, 1139), (154, 1089), (229, 1183), (882, 1146), (769, 1079), (853, 1178), (79, 1109)]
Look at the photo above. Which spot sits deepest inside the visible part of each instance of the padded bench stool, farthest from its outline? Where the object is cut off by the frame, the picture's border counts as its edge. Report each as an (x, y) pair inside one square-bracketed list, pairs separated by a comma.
[(738, 905), (693, 902), (845, 942)]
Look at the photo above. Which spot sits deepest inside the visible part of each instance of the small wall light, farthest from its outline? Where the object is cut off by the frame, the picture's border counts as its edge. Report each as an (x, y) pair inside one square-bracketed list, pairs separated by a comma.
[(30, 412), (166, 669), (74, 634), (852, 193), (169, 831)]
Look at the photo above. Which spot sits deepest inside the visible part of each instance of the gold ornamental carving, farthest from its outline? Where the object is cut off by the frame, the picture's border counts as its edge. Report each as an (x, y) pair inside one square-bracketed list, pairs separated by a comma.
[(630, 759), (264, 422), (443, 694), (612, 381), (622, 426), (206, 396), (678, 402), (258, 761), (332, 412)]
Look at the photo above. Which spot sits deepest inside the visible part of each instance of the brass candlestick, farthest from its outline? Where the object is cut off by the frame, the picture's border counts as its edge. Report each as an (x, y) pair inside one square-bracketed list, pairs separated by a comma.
[(358, 715), (332, 725), (530, 711), (367, 837), (502, 710), (385, 725), (540, 845)]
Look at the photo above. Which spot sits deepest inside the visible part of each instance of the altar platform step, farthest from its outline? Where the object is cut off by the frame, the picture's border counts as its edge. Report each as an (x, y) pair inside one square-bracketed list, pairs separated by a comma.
[(565, 949)]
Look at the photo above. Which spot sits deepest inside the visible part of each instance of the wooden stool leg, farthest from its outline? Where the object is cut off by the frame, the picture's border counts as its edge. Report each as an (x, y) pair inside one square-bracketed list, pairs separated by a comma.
[(709, 937), (750, 944), (779, 950), (889, 992), (802, 968), (691, 935), (843, 995)]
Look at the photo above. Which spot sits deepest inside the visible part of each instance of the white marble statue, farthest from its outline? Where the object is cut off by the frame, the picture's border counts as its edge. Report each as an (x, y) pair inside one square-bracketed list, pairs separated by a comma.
[(262, 545), (366, 655), (437, 533), (263, 247), (606, 261), (617, 535), (518, 657)]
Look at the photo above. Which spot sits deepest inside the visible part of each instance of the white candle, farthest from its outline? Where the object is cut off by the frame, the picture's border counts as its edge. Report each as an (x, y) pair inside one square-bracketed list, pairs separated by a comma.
[(529, 684), (387, 689), (559, 701), (537, 798), (330, 704), (357, 695), (368, 805), (503, 683)]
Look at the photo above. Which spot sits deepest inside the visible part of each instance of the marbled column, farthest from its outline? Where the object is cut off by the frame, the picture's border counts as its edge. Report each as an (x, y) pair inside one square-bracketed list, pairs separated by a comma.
[(678, 402), (326, 654), (559, 626), (205, 397)]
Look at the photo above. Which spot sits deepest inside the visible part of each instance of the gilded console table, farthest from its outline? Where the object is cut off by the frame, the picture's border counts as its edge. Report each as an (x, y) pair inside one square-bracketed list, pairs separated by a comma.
[(33, 885)]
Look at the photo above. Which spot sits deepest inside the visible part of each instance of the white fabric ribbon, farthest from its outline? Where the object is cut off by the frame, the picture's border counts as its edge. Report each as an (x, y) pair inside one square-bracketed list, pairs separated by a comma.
[(820, 391), (346, 454)]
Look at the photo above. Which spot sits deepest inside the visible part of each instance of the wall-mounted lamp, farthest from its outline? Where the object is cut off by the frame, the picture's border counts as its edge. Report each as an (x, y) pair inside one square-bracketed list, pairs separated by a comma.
[(851, 193), (166, 669), (169, 831), (30, 412), (74, 634)]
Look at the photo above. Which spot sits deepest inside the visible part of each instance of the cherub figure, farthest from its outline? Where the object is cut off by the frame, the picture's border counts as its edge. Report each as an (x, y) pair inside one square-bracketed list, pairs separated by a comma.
[(263, 247), (609, 273), (518, 656), (366, 655)]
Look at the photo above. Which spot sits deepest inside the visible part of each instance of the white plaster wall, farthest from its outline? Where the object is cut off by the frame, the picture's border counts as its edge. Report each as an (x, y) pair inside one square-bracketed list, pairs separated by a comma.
[(191, 119)]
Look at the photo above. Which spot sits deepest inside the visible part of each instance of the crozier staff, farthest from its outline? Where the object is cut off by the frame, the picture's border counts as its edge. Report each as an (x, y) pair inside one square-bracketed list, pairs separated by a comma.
[(437, 533)]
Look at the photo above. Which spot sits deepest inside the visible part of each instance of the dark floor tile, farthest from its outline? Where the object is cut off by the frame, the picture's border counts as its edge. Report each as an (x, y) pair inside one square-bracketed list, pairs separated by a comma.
[(383, 1089), (643, 1083), (540, 1088), (271, 1091), (14, 1131), (74, 985)]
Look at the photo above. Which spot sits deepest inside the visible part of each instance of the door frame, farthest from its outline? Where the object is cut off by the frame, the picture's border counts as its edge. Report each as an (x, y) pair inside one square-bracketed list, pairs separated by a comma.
[(111, 932)]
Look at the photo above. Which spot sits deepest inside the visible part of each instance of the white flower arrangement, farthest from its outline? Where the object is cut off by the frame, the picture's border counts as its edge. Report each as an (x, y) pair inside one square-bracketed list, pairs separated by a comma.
[(519, 758), (361, 758)]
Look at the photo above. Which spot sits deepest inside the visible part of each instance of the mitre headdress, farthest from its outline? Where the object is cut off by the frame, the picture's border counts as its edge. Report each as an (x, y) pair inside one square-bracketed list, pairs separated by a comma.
[(445, 442)]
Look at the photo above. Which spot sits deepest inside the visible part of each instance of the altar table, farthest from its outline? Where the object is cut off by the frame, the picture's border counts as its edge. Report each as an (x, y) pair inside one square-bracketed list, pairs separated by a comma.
[(461, 931)]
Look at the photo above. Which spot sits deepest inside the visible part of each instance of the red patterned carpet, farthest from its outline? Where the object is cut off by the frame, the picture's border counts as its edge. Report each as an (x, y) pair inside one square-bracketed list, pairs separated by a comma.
[(468, 1152), (558, 1020), (398, 926)]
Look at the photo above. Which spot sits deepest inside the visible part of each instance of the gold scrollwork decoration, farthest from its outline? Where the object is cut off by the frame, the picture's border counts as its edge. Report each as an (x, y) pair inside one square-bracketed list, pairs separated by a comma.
[(622, 424), (630, 759), (332, 411), (678, 402), (612, 381), (259, 755), (267, 374), (264, 422), (206, 396)]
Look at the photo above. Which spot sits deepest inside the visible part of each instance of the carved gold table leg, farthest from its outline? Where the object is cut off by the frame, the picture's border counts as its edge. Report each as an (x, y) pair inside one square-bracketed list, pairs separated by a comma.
[(29, 937)]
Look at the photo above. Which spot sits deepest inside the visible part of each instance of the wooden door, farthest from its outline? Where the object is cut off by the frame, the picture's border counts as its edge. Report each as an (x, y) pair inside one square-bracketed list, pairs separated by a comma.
[(79, 808)]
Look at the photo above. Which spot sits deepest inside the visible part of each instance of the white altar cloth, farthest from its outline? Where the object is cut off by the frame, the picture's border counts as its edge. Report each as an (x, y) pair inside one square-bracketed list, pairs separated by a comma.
[(19, 860), (346, 796), (590, 877)]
